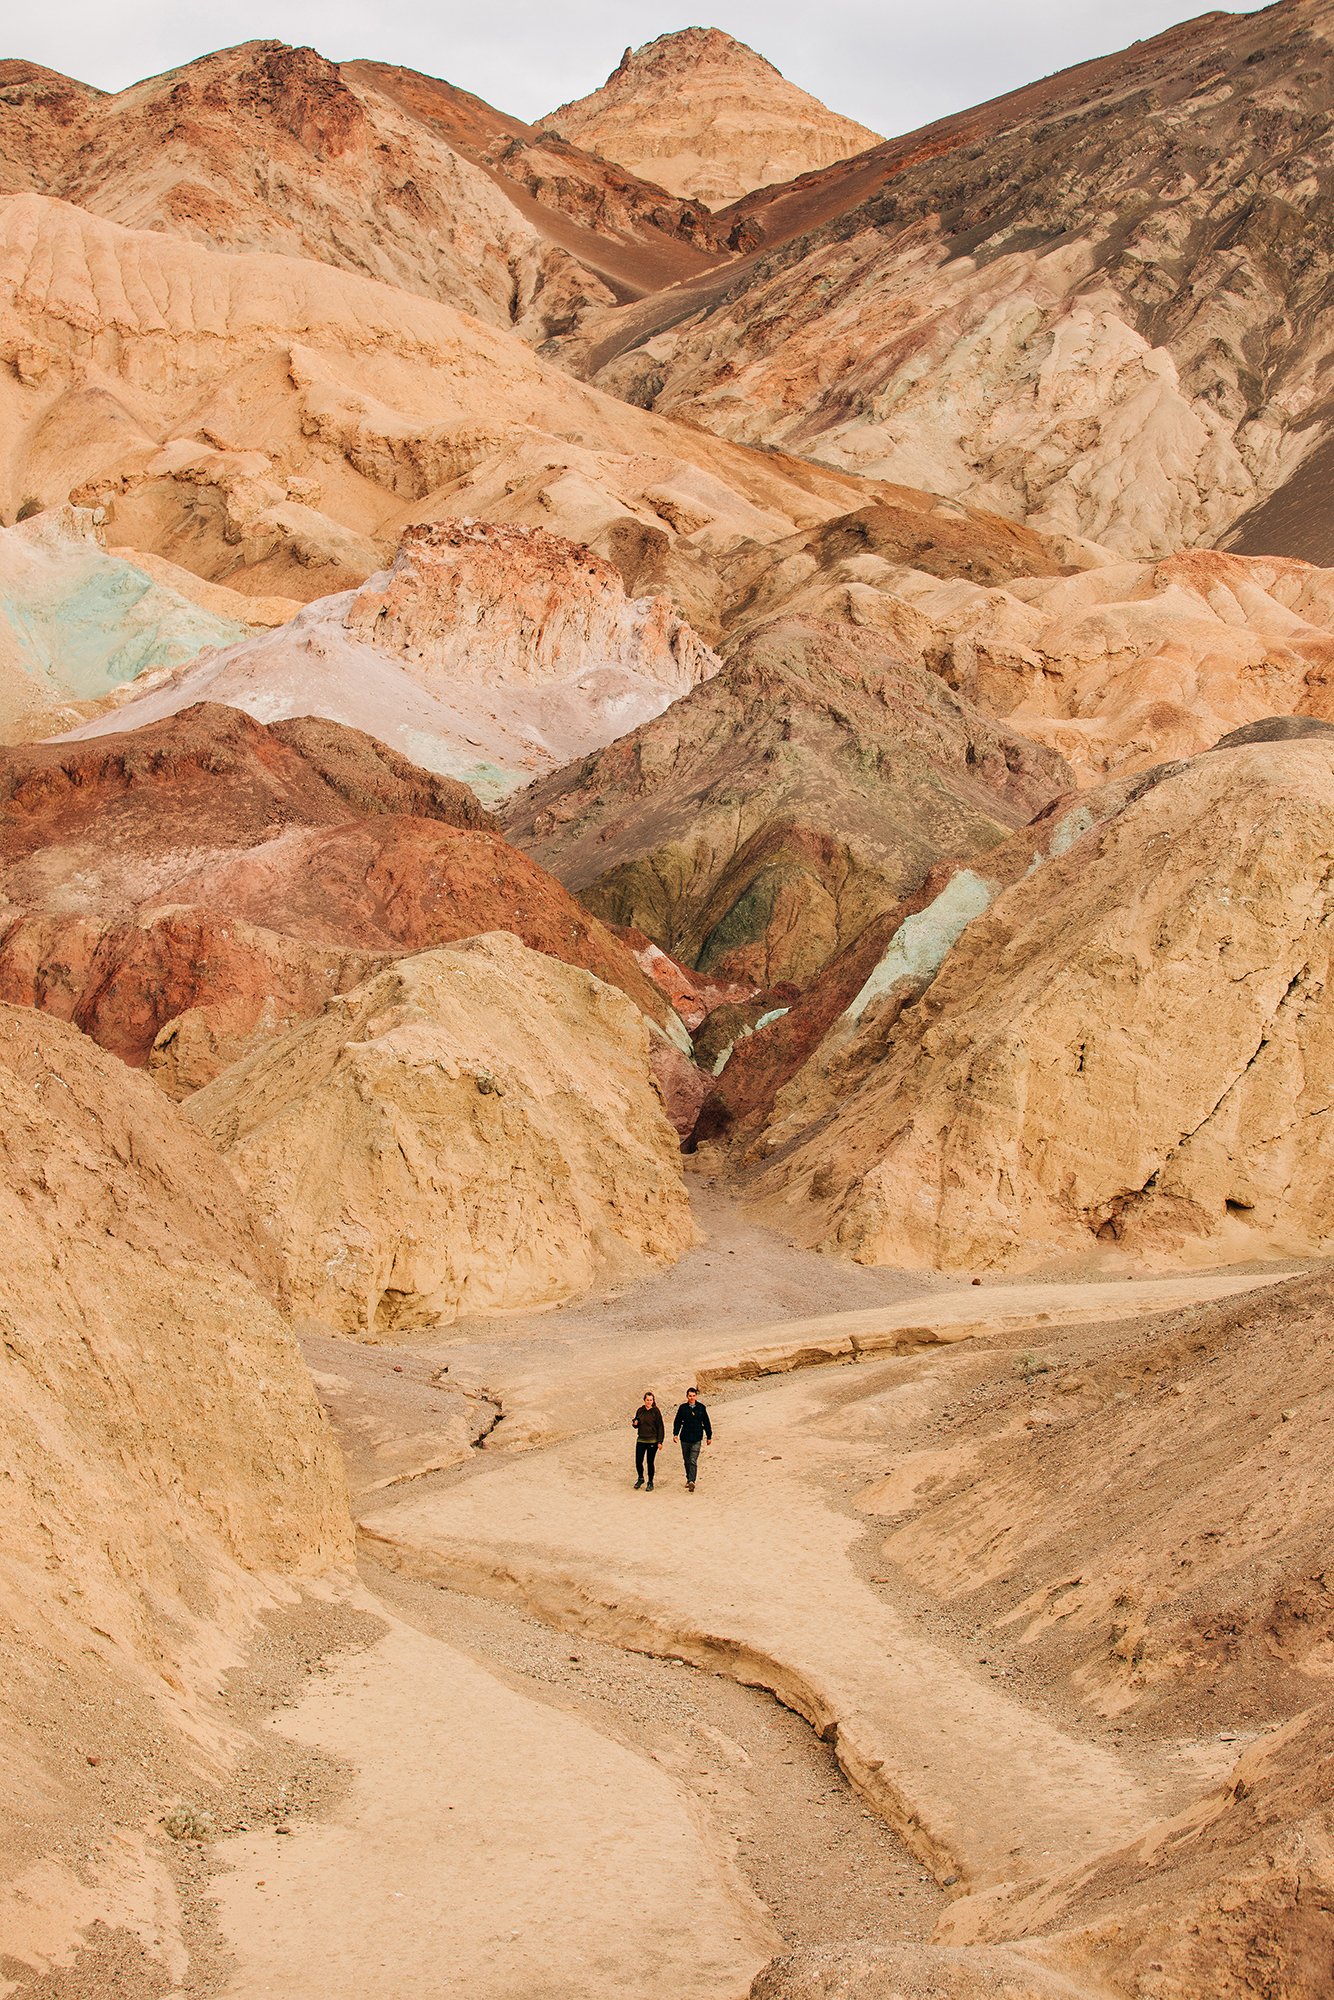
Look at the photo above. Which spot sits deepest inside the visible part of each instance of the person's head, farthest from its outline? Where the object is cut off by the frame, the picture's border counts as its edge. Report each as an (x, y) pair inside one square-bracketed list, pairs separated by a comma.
[(691, 1395), (649, 1399)]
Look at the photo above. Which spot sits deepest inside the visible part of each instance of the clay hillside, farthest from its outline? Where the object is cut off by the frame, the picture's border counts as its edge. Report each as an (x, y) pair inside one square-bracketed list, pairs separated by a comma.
[(668, 744)]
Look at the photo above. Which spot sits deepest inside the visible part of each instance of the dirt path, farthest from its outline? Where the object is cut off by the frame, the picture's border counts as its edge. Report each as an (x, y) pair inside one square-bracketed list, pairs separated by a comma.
[(518, 1792), (825, 1867), (755, 1575)]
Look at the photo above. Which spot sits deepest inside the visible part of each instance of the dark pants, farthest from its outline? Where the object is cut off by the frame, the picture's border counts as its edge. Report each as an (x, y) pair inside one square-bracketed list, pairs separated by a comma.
[(690, 1453), (644, 1456)]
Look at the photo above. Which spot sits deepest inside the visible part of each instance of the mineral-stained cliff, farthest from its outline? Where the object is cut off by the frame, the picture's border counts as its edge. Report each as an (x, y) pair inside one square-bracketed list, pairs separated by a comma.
[(472, 1130), (1126, 1054), (488, 652), (759, 824)]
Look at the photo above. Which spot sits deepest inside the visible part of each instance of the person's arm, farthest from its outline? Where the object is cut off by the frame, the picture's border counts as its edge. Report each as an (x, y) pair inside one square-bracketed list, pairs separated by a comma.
[(676, 1427), (662, 1429), (708, 1427)]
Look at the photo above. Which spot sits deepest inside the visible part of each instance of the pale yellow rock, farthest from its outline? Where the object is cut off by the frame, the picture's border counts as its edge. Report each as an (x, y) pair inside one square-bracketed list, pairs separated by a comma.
[(705, 117), (273, 423), (167, 1469), (1127, 1054), (473, 1130)]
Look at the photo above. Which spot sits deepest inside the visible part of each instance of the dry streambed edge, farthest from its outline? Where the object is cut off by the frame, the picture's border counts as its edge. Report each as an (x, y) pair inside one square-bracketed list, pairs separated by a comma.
[(966, 1315)]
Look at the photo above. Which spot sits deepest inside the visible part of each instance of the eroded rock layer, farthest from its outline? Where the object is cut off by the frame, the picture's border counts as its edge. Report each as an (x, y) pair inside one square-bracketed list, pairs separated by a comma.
[(168, 1470), (1125, 1053), (473, 1130)]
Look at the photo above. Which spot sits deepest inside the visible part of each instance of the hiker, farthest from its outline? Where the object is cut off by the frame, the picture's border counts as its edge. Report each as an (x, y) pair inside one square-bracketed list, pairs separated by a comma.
[(692, 1424), (649, 1434)]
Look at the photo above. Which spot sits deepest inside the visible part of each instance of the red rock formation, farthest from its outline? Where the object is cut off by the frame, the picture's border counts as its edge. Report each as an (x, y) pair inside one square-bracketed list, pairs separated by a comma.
[(183, 891)]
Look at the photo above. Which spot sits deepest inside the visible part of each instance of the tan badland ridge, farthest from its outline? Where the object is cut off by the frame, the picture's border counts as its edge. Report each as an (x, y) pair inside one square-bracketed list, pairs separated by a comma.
[(473, 1130), (169, 1474), (706, 117)]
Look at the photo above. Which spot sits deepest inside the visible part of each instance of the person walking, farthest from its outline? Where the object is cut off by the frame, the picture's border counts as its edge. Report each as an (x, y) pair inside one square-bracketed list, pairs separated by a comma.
[(649, 1434), (692, 1425)]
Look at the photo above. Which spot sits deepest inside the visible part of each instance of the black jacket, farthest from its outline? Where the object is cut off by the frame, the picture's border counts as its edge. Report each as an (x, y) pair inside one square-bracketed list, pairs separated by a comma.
[(648, 1424), (692, 1424)]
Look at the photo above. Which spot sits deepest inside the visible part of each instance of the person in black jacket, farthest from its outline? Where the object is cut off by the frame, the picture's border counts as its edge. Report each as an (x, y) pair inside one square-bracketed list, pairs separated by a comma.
[(692, 1424), (649, 1434)]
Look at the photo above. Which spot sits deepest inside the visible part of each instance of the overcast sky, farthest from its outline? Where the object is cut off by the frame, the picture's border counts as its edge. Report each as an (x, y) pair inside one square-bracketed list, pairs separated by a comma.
[(893, 64)]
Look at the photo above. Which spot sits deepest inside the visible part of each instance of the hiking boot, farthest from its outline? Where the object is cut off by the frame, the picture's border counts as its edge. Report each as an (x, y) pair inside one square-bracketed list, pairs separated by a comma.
[(650, 1486), (638, 1484), (690, 1486)]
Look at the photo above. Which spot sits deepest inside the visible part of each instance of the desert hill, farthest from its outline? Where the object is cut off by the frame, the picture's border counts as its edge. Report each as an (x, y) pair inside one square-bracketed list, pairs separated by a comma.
[(1124, 1051), (271, 422), (472, 1130), (672, 745), (266, 147), (1097, 304), (169, 1472), (707, 118), (183, 891)]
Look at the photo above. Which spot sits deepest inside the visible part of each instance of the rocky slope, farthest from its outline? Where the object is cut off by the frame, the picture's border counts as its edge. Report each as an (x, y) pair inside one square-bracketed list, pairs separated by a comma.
[(631, 234), (1097, 304), (1152, 1543), (707, 118), (485, 652), (168, 1472), (1122, 1055), (185, 891), (265, 147), (273, 423), (472, 1130), (759, 825), (1114, 664)]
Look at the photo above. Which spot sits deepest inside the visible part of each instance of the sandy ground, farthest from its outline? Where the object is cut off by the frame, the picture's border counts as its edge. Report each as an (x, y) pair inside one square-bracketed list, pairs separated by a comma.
[(565, 1771)]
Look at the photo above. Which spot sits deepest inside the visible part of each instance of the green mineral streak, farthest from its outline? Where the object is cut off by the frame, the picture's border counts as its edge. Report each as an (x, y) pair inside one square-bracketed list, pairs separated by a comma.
[(750, 916), (109, 625), (921, 944), (490, 782)]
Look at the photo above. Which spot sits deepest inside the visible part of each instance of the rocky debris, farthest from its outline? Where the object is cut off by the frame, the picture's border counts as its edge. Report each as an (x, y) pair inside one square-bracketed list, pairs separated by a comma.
[(707, 119), (909, 1972), (471, 1131), (168, 1471), (487, 652), (761, 823), (1095, 304), (76, 622), (1122, 1056)]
